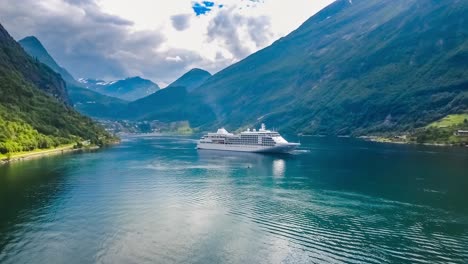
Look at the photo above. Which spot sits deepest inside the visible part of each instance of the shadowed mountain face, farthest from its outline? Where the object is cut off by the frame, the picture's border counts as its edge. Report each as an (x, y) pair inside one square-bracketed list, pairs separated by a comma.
[(94, 104), (192, 79), (86, 101), (36, 50), (129, 89), (34, 110), (171, 104), (353, 68), (13, 60)]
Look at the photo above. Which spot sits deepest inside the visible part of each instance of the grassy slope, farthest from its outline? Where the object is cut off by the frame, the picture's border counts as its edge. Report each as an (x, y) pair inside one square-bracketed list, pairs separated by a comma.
[(443, 131), (440, 132), (26, 154), (375, 65), (449, 121)]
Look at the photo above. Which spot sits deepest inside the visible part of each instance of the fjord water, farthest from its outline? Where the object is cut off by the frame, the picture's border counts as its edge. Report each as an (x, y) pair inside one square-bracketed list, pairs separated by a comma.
[(159, 200)]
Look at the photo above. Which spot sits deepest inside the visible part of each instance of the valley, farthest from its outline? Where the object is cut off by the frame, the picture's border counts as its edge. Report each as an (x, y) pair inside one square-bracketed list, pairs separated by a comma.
[(325, 131), (343, 85)]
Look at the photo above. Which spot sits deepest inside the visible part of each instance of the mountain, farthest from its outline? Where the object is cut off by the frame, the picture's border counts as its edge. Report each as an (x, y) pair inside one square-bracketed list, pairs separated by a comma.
[(173, 103), (94, 104), (36, 50), (129, 89), (192, 79), (34, 105), (86, 101), (13, 60), (356, 67)]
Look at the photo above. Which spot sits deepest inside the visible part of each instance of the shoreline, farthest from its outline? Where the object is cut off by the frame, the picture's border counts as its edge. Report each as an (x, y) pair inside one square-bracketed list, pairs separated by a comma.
[(390, 141), (43, 153), (156, 134)]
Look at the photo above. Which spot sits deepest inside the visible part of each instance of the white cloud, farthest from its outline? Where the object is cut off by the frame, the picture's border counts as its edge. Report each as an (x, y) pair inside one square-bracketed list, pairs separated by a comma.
[(159, 40), (282, 16), (175, 59)]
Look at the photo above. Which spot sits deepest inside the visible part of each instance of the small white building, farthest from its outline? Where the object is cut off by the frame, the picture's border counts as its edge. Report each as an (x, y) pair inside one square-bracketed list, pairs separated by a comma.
[(461, 133)]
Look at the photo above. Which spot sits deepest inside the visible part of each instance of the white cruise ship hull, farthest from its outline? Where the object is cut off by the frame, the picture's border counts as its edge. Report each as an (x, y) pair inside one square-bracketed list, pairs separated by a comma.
[(279, 148)]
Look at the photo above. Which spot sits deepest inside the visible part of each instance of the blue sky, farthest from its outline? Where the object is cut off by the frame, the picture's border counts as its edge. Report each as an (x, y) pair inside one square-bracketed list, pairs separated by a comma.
[(204, 7)]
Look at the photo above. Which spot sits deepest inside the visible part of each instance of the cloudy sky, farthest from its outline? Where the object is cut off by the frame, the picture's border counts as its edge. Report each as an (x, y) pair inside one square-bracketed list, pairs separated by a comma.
[(158, 40)]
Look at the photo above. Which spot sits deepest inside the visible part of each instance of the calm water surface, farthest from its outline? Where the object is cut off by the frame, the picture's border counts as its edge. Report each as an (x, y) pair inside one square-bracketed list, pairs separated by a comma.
[(158, 200)]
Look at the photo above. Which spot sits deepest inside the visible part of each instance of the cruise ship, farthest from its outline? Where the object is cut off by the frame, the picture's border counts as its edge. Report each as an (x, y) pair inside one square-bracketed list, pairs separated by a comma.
[(262, 140)]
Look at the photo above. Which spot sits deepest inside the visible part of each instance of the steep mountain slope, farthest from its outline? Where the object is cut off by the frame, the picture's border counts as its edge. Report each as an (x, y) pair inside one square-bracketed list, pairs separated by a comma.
[(168, 105), (86, 101), (173, 103), (33, 104), (15, 61), (192, 79), (94, 104), (129, 89), (36, 50), (355, 67)]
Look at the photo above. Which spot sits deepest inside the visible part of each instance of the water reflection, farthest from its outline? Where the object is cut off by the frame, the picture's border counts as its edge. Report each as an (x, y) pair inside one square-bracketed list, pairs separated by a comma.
[(234, 159), (158, 200), (257, 163), (26, 191), (279, 167)]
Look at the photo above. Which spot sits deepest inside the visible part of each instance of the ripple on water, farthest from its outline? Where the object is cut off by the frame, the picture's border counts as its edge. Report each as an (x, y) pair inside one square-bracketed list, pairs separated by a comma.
[(159, 200)]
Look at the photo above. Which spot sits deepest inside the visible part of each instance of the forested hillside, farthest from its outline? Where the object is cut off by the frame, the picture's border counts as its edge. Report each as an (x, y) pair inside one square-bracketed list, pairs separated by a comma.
[(192, 79), (356, 67), (168, 105), (34, 109), (35, 49), (86, 101)]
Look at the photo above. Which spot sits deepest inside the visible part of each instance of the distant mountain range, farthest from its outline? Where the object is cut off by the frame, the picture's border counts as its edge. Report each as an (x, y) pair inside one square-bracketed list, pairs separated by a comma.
[(86, 101), (129, 89), (98, 98), (94, 104), (174, 103), (35, 110)]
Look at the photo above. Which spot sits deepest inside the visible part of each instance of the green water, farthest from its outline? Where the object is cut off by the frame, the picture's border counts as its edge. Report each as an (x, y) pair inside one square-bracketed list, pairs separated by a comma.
[(159, 200)]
